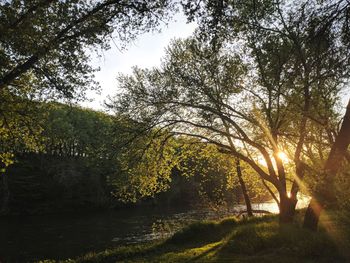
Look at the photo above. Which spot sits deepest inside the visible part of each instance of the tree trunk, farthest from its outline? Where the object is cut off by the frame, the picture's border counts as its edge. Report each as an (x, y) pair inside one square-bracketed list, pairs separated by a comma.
[(244, 188), (332, 166), (287, 209), (312, 215)]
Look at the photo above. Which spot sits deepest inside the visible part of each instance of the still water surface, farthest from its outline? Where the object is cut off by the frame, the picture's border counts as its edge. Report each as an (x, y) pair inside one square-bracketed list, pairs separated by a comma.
[(65, 236)]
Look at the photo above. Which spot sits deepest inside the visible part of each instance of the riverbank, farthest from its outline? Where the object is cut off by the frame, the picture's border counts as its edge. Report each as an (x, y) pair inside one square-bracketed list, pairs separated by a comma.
[(231, 240), (63, 236)]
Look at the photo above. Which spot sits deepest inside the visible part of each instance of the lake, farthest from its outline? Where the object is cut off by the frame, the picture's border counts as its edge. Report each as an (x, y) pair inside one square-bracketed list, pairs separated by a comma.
[(63, 236)]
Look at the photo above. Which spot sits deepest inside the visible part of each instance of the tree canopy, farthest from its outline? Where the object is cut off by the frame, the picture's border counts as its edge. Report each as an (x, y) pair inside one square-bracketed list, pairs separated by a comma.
[(265, 80), (45, 42)]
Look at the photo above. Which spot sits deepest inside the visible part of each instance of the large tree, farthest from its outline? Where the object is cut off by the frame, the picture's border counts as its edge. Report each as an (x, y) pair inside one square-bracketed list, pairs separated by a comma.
[(259, 88), (202, 93), (314, 61)]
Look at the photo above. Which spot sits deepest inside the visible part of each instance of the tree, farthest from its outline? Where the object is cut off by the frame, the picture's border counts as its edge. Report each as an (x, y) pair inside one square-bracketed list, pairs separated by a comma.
[(286, 77), (326, 192), (193, 94), (304, 45)]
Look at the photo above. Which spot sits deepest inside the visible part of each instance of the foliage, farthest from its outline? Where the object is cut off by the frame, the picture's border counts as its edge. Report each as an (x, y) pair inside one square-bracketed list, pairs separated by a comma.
[(76, 132), (213, 172), (47, 40), (144, 172), (20, 119), (149, 165)]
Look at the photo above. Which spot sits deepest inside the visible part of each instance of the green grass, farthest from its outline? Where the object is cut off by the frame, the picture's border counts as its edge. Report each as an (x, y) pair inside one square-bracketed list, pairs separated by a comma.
[(252, 240)]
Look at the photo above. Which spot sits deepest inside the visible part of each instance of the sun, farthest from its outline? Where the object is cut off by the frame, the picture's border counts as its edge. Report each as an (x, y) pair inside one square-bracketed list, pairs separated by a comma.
[(283, 156), (280, 155)]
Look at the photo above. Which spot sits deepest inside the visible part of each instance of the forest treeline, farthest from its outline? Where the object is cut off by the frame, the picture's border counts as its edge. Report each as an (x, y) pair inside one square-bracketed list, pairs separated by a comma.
[(82, 163)]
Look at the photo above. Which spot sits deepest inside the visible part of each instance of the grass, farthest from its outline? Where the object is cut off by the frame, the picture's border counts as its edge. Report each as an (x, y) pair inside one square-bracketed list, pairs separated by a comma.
[(231, 240)]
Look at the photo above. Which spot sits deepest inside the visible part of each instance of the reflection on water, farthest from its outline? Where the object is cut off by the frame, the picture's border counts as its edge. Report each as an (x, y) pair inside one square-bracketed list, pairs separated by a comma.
[(303, 201), (63, 236)]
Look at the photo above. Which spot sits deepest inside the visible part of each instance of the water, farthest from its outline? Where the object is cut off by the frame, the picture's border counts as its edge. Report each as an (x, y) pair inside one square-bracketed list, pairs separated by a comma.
[(65, 236)]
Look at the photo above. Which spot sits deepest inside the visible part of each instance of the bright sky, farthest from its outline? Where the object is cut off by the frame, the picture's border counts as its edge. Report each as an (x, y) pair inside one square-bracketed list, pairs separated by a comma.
[(145, 52)]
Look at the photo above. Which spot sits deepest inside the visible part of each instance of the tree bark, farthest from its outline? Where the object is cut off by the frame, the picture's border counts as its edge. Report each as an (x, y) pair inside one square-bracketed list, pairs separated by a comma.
[(244, 188), (287, 209), (332, 166)]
